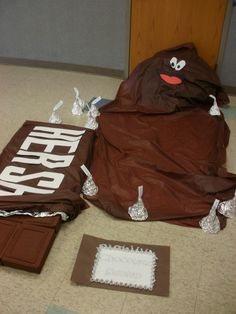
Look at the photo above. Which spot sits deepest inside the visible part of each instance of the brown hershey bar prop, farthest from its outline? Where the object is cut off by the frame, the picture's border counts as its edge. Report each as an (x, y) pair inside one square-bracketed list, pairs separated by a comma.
[(40, 170), (40, 185), (86, 256)]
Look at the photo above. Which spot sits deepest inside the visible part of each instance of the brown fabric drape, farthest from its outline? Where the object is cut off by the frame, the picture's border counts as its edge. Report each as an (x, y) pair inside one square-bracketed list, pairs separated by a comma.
[(161, 135)]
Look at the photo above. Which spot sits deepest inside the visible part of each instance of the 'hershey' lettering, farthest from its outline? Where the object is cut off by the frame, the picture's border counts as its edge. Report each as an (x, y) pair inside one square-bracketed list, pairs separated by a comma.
[(48, 181), (45, 159)]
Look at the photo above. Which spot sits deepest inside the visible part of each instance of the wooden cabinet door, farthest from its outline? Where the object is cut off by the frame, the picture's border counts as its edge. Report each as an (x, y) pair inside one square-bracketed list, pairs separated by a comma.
[(160, 24)]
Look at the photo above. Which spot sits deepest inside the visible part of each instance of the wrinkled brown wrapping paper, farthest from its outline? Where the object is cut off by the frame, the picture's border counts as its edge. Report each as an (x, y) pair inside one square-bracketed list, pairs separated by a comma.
[(85, 259)]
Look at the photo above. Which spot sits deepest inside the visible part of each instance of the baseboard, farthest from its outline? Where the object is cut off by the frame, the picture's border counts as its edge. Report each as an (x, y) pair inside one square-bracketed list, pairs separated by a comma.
[(231, 90), (63, 66)]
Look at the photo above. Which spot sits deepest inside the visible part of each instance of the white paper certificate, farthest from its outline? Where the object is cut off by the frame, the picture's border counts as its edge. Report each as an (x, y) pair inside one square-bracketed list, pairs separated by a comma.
[(124, 266)]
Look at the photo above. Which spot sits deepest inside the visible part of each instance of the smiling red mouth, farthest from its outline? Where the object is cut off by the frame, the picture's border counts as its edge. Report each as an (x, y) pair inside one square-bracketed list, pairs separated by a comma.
[(174, 80)]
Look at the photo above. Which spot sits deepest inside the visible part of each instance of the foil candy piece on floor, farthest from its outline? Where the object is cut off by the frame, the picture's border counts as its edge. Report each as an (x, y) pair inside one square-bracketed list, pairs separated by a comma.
[(79, 104), (93, 113), (89, 187), (55, 117), (91, 124), (211, 223), (137, 211), (228, 208), (214, 110)]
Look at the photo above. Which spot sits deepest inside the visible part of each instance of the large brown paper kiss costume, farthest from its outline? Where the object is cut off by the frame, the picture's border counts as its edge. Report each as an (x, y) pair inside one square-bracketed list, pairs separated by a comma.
[(158, 133)]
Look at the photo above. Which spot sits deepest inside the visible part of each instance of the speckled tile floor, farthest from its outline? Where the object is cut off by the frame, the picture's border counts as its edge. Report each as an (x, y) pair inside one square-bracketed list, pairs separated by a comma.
[(203, 272)]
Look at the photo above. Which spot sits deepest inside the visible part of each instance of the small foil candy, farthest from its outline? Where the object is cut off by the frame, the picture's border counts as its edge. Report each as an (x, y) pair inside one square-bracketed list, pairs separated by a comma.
[(78, 105), (214, 110), (55, 118), (92, 114), (89, 188), (228, 208), (211, 223), (138, 211), (93, 111), (91, 124)]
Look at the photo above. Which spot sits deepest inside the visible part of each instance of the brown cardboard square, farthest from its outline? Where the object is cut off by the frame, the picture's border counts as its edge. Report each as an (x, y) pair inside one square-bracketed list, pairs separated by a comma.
[(85, 259), (7, 230), (29, 248)]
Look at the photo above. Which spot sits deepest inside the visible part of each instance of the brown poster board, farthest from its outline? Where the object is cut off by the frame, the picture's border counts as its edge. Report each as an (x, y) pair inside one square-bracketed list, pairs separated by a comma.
[(85, 259)]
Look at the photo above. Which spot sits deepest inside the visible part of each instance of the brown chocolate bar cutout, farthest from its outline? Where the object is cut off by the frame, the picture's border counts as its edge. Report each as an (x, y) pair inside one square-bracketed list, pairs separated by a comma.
[(29, 248)]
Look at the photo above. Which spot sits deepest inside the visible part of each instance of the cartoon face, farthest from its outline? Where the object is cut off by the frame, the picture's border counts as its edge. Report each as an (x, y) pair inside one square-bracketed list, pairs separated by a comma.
[(173, 77)]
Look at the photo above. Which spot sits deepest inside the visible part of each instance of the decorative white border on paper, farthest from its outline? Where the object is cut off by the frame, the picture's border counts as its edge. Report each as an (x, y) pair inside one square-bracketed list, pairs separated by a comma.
[(124, 266)]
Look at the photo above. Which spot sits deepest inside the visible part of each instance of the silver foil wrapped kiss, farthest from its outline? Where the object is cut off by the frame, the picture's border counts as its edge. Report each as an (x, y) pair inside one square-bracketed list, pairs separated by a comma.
[(89, 188), (228, 208), (55, 117), (211, 223), (79, 104), (138, 211)]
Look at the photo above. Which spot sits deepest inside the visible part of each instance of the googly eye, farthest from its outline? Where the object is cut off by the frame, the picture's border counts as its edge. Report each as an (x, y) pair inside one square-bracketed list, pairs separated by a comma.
[(180, 65), (173, 62)]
